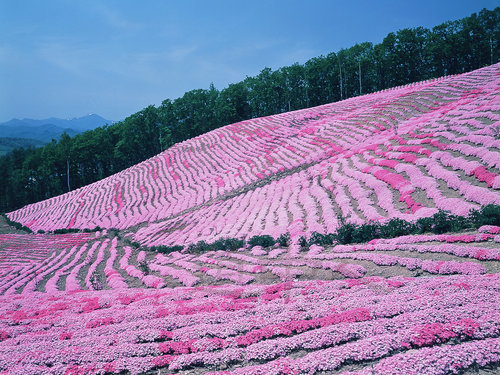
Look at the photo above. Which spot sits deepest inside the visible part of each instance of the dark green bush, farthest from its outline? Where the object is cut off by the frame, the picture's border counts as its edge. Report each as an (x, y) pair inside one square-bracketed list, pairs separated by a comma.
[(304, 246), (284, 240), (166, 249), (366, 232), (442, 222), (487, 215), (395, 228), (345, 233), (424, 225), (199, 247), (227, 244), (41, 231), (321, 239), (16, 225), (66, 230), (264, 241)]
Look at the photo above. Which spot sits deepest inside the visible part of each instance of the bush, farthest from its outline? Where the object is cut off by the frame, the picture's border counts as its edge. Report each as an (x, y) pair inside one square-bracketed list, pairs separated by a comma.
[(166, 249), (304, 246), (132, 243), (227, 244), (199, 247), (41, 231), (366, 232), (487, 215), (16, 225), (66, 230), (345, 233), (284, 240), (143, 266), (424, 225), (395, 228), (442, 222), (321, 239), (264, 241)]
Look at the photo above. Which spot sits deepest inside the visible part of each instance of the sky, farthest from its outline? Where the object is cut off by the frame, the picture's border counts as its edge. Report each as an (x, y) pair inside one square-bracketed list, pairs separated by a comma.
[(66, 58)]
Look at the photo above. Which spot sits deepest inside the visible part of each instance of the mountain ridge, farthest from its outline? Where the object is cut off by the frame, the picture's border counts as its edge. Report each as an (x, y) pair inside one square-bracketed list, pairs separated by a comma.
[(38, 132)]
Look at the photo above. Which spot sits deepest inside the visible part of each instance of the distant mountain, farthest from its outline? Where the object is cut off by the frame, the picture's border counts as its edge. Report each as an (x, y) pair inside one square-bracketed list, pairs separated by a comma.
[(47, 129)]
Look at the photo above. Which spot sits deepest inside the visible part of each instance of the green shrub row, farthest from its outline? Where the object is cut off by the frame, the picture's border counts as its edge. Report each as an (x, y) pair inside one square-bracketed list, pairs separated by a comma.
[(220, 244), (440, 222), (16, 225), (347, 233)]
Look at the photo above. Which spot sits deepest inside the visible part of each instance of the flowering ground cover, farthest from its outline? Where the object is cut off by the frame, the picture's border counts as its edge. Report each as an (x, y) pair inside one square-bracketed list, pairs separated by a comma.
[(99, 303), (401, 153), (426, 325)]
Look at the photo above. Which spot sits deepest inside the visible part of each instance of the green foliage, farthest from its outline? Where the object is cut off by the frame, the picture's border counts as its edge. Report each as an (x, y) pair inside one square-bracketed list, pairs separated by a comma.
[(345, 233), (487, 215), (366, 232), (321, 239), (264, 241), (66, 230), (40, 231), (395, 228), (303, 243), (166, 249), (424, 225), (199, 247), (227, 244), (442, 221), (144, 267), (284, 240), (16, 225), (135, 244)]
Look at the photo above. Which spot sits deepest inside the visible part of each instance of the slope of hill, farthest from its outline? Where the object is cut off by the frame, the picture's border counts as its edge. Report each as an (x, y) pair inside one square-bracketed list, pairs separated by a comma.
[(404, 152), (418, 304)]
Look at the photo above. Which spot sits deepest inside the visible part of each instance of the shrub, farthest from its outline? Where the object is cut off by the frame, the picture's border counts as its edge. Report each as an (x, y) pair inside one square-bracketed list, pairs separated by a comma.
[(66, 230), (199, 247), (227, 244), (366, 232), (16, 225), (321, 239), (424, 225), (284, 240), (395, 228), (303, 243), (264, 241), (166, 249), (442, 222), (487, 215), (143, 266), (344, 233), (41, 231)]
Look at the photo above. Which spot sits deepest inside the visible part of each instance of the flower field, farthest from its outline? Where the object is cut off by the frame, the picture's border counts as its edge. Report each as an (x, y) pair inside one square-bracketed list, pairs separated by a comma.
[(102, 302)]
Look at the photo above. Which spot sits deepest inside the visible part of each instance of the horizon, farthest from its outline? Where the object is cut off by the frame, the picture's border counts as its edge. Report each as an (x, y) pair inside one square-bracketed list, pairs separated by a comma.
[(116, 58)]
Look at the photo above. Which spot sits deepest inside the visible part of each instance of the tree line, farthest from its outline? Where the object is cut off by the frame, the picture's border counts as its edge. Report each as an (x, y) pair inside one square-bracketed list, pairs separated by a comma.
[(408, 55)]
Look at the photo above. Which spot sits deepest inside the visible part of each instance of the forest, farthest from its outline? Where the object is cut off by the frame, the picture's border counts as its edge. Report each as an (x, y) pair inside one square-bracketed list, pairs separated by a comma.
[(408, 55)]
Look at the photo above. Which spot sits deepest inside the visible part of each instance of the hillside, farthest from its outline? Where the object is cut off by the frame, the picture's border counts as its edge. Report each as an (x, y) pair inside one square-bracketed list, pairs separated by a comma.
[(404, 152), (102, 302)]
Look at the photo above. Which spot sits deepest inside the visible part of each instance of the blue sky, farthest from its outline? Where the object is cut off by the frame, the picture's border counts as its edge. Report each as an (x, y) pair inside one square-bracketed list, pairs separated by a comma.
[(66, 58)]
